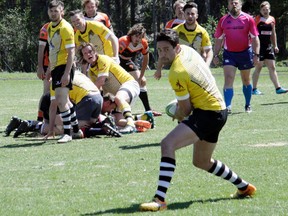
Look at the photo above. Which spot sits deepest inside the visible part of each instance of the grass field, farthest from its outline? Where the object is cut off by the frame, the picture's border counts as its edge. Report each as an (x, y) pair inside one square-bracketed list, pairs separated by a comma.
[(112, 176)]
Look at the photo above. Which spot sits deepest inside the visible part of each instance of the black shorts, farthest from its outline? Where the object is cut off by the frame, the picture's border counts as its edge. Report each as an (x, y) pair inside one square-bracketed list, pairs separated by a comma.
[(44, 105), (89, 107), (45, 69), (207, 124), (57, 74), (128, 65), (266, 52)]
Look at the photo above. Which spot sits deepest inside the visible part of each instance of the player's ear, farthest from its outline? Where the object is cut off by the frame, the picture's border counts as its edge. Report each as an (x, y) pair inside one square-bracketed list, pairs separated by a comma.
[(177, 48)]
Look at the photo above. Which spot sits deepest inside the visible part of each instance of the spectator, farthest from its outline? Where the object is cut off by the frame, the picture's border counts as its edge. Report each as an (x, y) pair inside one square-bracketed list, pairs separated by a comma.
[(91, 13), (179, 14), (236, 31), (268, 47)]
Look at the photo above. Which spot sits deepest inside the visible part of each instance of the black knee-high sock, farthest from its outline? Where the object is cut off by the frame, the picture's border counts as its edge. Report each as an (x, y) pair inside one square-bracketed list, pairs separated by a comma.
[(144, 98), (221, 170), (167, 167), (74, 121), (66, 117)]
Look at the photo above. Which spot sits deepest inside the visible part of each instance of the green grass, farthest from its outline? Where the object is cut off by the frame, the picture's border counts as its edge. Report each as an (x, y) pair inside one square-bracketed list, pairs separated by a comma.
[(107, 176)]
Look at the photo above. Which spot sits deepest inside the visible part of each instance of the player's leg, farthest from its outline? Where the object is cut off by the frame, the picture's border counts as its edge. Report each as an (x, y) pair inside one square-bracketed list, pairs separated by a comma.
[(178, 138), (244, 64), (46, 88), (144, 97), (208, 126), (127, 95), (270, 63), (247, 89), (13, 124), (143, 89), (28, 126), (132, 68), (202, 158), (229, 68), (62, 98), (255, 78), (124, 107), (228, 91), (62, 101)]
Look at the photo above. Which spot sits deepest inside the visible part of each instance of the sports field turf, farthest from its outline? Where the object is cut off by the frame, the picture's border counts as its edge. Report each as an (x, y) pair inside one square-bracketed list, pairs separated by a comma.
[(112, 176)]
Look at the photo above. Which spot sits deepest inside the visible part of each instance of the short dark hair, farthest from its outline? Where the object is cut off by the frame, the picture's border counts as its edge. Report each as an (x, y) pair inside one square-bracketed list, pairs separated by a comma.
[(55, 3), (109, 97), (75, 12), (190, 5), (168, 35)]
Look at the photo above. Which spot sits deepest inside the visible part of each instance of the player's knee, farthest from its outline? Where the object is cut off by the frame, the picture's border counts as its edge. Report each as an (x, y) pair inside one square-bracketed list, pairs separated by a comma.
[(272, 69), (143, 84), (167, 147)]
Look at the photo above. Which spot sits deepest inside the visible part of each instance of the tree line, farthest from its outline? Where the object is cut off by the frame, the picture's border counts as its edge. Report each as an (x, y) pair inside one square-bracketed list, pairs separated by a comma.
[(21, 21)]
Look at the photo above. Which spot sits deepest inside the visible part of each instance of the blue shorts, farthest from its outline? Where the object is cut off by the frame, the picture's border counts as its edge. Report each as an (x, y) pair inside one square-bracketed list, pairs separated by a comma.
[(241, 60), (207, 124)]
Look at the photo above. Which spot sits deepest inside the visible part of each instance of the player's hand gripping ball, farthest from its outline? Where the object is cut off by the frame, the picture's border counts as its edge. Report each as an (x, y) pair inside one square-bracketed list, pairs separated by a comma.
[(171, 108)]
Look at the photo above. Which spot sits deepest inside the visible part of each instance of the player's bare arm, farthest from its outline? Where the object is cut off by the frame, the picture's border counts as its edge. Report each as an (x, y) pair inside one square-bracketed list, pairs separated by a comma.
[(100, 81), (115, 46), (183, 110), (256, 49), (217, 48), (40, 68)]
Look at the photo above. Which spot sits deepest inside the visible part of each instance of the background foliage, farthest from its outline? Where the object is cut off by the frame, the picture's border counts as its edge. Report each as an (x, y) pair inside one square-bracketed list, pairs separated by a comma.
[(22, 19)]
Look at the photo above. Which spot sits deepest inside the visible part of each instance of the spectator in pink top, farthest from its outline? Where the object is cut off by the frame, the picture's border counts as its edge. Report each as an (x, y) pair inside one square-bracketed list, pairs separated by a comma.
[(237, 31)]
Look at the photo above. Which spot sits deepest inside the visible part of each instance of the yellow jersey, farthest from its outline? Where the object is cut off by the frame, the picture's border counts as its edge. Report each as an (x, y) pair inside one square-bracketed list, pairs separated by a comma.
[(60, 38), (82, 86), (198, 39), (97, 34), (116, 75), (190, 77)]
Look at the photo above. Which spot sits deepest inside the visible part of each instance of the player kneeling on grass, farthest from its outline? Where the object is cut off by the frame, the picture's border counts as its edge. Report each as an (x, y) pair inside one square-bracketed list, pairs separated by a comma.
[(112, 78), (88, 104), (22, 126), (195, 89), (103, 125)]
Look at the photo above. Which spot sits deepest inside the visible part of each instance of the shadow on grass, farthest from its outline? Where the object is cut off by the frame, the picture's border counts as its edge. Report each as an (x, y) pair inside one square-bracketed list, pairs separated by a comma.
[(173, 206), (33, 143), (235, 113), (127, 147), (269, 104)]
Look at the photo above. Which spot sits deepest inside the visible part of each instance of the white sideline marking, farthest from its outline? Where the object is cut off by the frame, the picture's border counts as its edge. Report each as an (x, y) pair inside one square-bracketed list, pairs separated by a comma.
[(279, 144)]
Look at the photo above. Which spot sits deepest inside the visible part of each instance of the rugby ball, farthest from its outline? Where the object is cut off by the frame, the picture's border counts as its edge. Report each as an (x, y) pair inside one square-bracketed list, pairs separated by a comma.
[(171, 108)]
